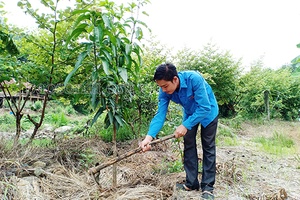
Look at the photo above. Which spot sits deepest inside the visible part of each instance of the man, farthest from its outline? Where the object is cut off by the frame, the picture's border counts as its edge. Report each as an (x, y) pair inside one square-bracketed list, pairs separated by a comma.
[(194, 94)]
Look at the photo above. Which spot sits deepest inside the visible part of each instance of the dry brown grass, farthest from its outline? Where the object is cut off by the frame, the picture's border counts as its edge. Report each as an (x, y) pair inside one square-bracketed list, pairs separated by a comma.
[(243, 172)]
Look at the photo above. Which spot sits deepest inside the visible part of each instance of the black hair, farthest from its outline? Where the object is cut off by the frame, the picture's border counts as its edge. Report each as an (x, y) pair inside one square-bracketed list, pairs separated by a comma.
[(165, 72)]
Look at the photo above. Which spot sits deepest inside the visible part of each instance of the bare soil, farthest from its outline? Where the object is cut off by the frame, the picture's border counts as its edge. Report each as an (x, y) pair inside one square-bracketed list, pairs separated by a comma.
[(244, 171)]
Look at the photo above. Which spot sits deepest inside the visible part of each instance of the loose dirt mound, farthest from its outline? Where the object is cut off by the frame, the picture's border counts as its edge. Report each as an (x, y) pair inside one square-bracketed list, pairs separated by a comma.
[(60, 171)]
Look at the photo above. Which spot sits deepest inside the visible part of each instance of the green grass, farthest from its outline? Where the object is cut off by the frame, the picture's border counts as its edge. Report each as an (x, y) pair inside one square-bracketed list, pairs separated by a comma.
[(124, 133), (228, 141), (87, 158), (297, 158), (59, 119), (174, 166), (168, 167), (36, 105), (234, 123), (6, 188), (7, 122), (43, 142), (278, 144), (226, 137)]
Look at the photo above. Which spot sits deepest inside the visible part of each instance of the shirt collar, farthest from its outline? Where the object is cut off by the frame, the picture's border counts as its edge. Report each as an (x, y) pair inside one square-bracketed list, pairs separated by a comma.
[(182, 81)]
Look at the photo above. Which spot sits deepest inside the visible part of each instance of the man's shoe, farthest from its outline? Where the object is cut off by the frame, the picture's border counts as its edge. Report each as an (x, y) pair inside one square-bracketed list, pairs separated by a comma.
[(208, 195), (180, 186)]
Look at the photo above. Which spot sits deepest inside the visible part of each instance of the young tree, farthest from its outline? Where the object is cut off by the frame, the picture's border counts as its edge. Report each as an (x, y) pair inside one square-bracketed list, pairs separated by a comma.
[(112, 55), (12, 82), (44, 51), (145, 93), (8, 63)]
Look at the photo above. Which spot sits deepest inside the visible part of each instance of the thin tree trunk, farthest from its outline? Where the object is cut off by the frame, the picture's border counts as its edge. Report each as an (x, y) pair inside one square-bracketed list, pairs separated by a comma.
[(115, 149), (37, 125), (18, 117), (114, 183)]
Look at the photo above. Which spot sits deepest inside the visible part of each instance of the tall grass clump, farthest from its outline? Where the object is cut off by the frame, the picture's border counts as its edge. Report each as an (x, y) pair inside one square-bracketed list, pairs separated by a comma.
[(36, 106), (59, 119), (124, 133), (278, 144)]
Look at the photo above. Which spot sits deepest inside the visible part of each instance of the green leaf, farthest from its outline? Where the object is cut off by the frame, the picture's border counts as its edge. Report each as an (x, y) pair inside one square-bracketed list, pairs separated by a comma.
[(96, 35), (97, 115), (142, 23), (116, 124), (139, 33), (118, 40), (125, 40), (75, 34), (81, 18), (123, 74), (107, 21), (99, 34), (137, 50), (145, 13), (114, 50), (119, 120), (94, 94), (127, 25), (80, 58), (75, 12), (111, 37), (106, 54), (106, 121), (128, 49), (9, 44), (83, 25), (106, 66), (111, 117), (121, 61), (296, 60), (136, 67), (128, 60)]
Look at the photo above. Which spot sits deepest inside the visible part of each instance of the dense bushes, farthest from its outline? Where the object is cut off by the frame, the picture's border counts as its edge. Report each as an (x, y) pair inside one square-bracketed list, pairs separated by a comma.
[(243, 93)]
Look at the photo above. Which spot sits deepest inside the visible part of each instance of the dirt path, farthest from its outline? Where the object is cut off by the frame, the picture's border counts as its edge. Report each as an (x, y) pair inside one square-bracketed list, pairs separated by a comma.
[(260, 175), (256, 175)]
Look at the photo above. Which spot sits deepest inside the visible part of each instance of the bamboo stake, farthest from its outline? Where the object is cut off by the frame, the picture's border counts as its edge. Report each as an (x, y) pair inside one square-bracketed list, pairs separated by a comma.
[(96, 169)]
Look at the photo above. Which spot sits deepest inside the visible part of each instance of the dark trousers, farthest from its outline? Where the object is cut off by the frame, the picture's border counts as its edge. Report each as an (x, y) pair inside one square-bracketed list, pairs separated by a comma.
[(190, 160)]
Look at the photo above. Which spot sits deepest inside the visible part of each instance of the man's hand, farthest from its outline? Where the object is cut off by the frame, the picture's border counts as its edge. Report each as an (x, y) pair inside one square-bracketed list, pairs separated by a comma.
[(180, 131), (145, 143)]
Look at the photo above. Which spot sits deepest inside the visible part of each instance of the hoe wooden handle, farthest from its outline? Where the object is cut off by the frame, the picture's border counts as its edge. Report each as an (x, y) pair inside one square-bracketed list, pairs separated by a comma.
[(96, 169)]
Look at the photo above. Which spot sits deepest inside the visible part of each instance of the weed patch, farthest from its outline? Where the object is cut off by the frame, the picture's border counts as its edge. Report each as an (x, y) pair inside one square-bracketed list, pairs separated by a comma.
[(59, 119), (44, 142), (226, 136), (278, 144), (87, 158), (169, 167), (7, 122)]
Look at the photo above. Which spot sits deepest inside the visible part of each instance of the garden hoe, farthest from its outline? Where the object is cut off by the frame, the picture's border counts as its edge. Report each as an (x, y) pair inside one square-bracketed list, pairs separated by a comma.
[(95, 171)]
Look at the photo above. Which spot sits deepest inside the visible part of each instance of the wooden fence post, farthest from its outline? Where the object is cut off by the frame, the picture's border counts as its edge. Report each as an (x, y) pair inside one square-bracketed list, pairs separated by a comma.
[(267, 103)]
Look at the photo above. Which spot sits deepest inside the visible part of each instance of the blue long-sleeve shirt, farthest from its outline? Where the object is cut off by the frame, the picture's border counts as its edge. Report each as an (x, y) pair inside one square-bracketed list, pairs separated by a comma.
[(196, 97)]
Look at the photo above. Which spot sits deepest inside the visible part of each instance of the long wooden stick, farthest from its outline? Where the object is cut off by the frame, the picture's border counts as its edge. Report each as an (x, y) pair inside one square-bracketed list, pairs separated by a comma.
[(96, 169)]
